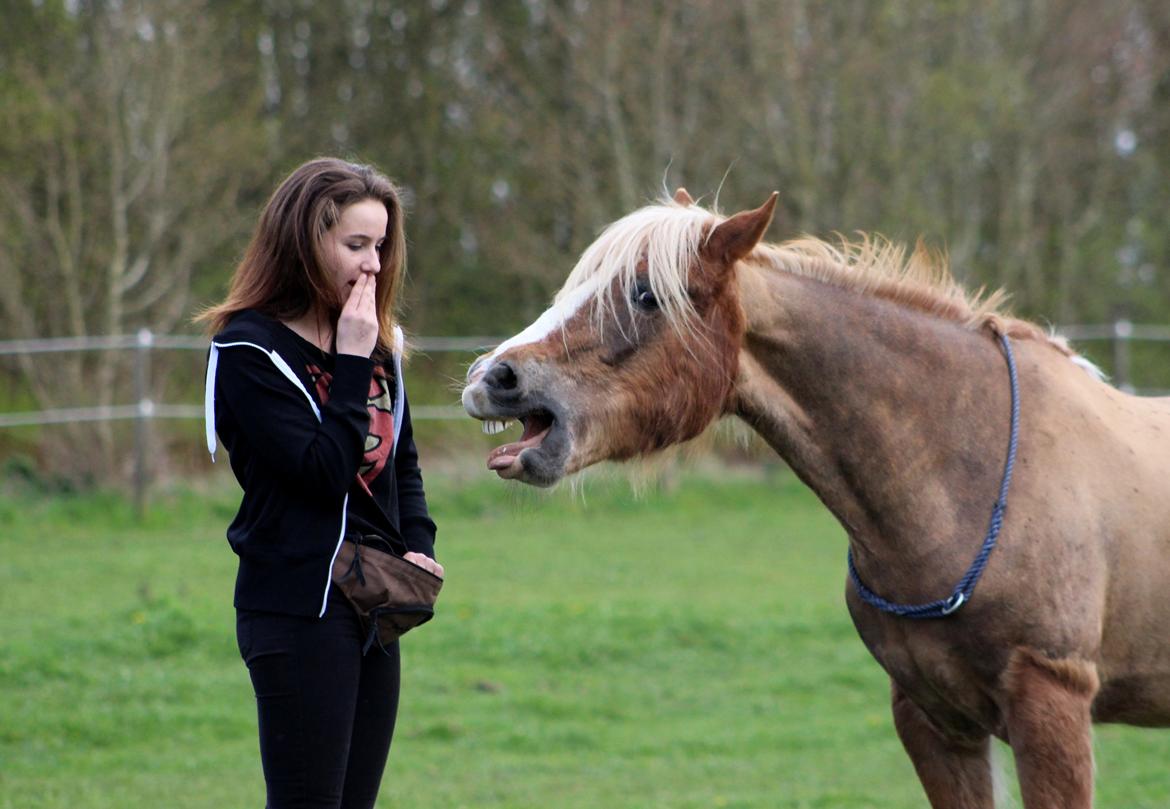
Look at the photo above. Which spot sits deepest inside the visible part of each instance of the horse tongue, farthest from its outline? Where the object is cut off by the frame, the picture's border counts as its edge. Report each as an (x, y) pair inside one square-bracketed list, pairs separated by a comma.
[(503, 457), (508, 455)]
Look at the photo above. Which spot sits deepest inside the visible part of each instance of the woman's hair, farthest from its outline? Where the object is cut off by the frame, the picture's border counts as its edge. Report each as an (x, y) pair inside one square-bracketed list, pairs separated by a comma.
[(283, 272)]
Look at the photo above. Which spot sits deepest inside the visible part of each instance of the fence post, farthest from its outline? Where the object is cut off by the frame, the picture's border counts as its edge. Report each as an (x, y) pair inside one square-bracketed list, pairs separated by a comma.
[(1122, 332), (142, 345)]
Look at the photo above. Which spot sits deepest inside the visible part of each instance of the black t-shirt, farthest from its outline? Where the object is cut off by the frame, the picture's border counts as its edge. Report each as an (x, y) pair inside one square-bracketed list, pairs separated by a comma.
[(370, 485)]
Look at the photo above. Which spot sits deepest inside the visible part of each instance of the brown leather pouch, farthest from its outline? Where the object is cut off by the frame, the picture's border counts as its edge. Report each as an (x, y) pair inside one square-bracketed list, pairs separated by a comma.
[(390, 594)]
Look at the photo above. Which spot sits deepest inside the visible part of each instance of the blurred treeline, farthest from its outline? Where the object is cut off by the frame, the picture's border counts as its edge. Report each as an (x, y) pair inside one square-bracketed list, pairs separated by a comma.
[(138, 139)]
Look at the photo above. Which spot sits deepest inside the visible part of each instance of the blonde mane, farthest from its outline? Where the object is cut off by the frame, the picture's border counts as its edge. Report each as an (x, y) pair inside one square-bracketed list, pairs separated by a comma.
[(875, 266), (667, 236)]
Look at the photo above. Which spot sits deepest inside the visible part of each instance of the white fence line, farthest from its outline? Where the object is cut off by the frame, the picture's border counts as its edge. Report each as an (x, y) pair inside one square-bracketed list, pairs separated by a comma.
[(146, 409), (1120, 333), (145, 338), (1117, 330)]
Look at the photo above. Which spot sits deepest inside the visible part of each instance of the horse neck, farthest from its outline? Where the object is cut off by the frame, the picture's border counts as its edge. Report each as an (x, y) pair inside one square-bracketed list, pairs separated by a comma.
[(896, 418)]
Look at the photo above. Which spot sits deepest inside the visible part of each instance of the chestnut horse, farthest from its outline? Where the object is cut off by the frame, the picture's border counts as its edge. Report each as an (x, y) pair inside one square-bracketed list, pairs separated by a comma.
[(890, 392)]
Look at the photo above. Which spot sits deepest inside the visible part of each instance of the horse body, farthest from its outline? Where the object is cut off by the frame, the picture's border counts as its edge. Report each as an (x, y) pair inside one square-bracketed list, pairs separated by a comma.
[(892, 404)]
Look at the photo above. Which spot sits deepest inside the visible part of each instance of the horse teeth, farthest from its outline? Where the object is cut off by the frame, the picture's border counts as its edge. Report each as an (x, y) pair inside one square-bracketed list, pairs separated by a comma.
[(492, 427)]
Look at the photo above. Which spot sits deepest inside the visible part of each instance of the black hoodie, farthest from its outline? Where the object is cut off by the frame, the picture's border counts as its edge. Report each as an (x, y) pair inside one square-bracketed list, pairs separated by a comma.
[(298, 458)]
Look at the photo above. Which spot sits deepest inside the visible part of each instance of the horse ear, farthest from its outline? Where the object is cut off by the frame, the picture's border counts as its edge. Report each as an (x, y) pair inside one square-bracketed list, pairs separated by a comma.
[(735, 238), (682, 197)]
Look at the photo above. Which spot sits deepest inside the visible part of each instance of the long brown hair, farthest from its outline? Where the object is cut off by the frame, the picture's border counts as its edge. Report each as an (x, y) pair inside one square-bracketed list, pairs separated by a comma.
[(283, 273)]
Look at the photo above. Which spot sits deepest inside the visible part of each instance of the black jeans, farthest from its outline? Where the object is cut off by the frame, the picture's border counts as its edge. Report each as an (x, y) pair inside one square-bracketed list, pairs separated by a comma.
[(326, 711)]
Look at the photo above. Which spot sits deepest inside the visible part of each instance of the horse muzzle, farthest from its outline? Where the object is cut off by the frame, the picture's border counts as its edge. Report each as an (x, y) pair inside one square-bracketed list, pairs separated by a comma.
[(501, 391)]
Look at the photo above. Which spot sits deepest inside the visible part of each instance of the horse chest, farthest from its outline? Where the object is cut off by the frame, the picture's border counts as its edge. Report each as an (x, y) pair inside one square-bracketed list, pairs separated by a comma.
[(947, 680)]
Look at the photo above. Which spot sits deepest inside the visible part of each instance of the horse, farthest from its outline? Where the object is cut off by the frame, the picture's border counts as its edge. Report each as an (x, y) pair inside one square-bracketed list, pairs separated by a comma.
[(920, 414)]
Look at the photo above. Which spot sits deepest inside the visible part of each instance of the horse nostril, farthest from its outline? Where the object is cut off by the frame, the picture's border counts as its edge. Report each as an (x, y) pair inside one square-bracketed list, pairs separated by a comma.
[(501, 377), (474, 367)]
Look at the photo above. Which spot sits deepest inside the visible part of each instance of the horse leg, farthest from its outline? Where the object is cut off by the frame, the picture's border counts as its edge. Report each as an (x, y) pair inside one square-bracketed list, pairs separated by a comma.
[(956, 774), (1050, 729)]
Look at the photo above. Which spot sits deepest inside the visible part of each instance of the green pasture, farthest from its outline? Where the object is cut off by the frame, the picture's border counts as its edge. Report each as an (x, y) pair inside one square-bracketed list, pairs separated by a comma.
[(595, 649)]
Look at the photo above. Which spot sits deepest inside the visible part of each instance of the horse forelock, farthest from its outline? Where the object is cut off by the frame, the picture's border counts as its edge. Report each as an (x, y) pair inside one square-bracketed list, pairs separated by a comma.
[(665, 239)]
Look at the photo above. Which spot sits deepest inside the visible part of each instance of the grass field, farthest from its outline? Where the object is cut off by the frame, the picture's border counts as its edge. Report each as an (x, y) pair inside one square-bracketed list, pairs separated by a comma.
[(688, 647)]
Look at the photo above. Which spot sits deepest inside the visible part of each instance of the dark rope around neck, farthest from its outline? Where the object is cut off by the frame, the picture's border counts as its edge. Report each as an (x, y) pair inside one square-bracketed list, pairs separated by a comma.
[(966, 586)]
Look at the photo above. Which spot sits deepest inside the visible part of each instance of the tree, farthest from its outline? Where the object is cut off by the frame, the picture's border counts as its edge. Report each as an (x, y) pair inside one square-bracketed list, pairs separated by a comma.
[(126, 148)]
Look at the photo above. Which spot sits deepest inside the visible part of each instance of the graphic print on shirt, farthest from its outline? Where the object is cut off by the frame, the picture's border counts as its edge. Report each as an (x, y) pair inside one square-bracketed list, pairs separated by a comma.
[(380, 403)]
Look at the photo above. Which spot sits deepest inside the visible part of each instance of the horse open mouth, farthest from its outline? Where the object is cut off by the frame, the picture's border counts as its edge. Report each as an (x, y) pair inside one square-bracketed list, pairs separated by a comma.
[(506, 460)]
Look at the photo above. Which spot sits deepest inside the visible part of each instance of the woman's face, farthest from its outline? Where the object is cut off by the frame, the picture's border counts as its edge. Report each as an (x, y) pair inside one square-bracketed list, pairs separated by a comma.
[(352, 244)]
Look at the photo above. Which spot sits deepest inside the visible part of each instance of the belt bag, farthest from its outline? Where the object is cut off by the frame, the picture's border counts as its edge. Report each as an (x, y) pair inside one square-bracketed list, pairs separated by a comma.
[(391, 595)]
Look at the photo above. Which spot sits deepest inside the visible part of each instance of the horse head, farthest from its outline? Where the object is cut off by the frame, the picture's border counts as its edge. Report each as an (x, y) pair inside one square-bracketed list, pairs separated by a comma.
[(639, 350)]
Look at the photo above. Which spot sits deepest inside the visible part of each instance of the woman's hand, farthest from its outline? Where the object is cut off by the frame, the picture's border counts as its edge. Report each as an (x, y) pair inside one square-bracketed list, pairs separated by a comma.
[(425, 562), (357, 327)]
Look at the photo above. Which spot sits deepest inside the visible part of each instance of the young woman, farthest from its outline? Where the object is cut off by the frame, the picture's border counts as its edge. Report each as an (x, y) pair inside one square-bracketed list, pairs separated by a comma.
[(304, 387)]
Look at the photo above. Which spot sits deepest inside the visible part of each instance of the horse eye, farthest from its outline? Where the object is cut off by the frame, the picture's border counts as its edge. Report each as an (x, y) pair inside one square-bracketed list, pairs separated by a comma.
[(644, 298)]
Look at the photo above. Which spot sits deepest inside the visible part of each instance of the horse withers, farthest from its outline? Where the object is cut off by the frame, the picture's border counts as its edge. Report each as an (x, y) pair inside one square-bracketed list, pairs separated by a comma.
[(886, 388)]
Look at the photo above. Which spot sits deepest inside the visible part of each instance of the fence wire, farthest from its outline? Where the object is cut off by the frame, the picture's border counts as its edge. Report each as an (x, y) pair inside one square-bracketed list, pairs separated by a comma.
[(144, 408), (1120, 334)]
